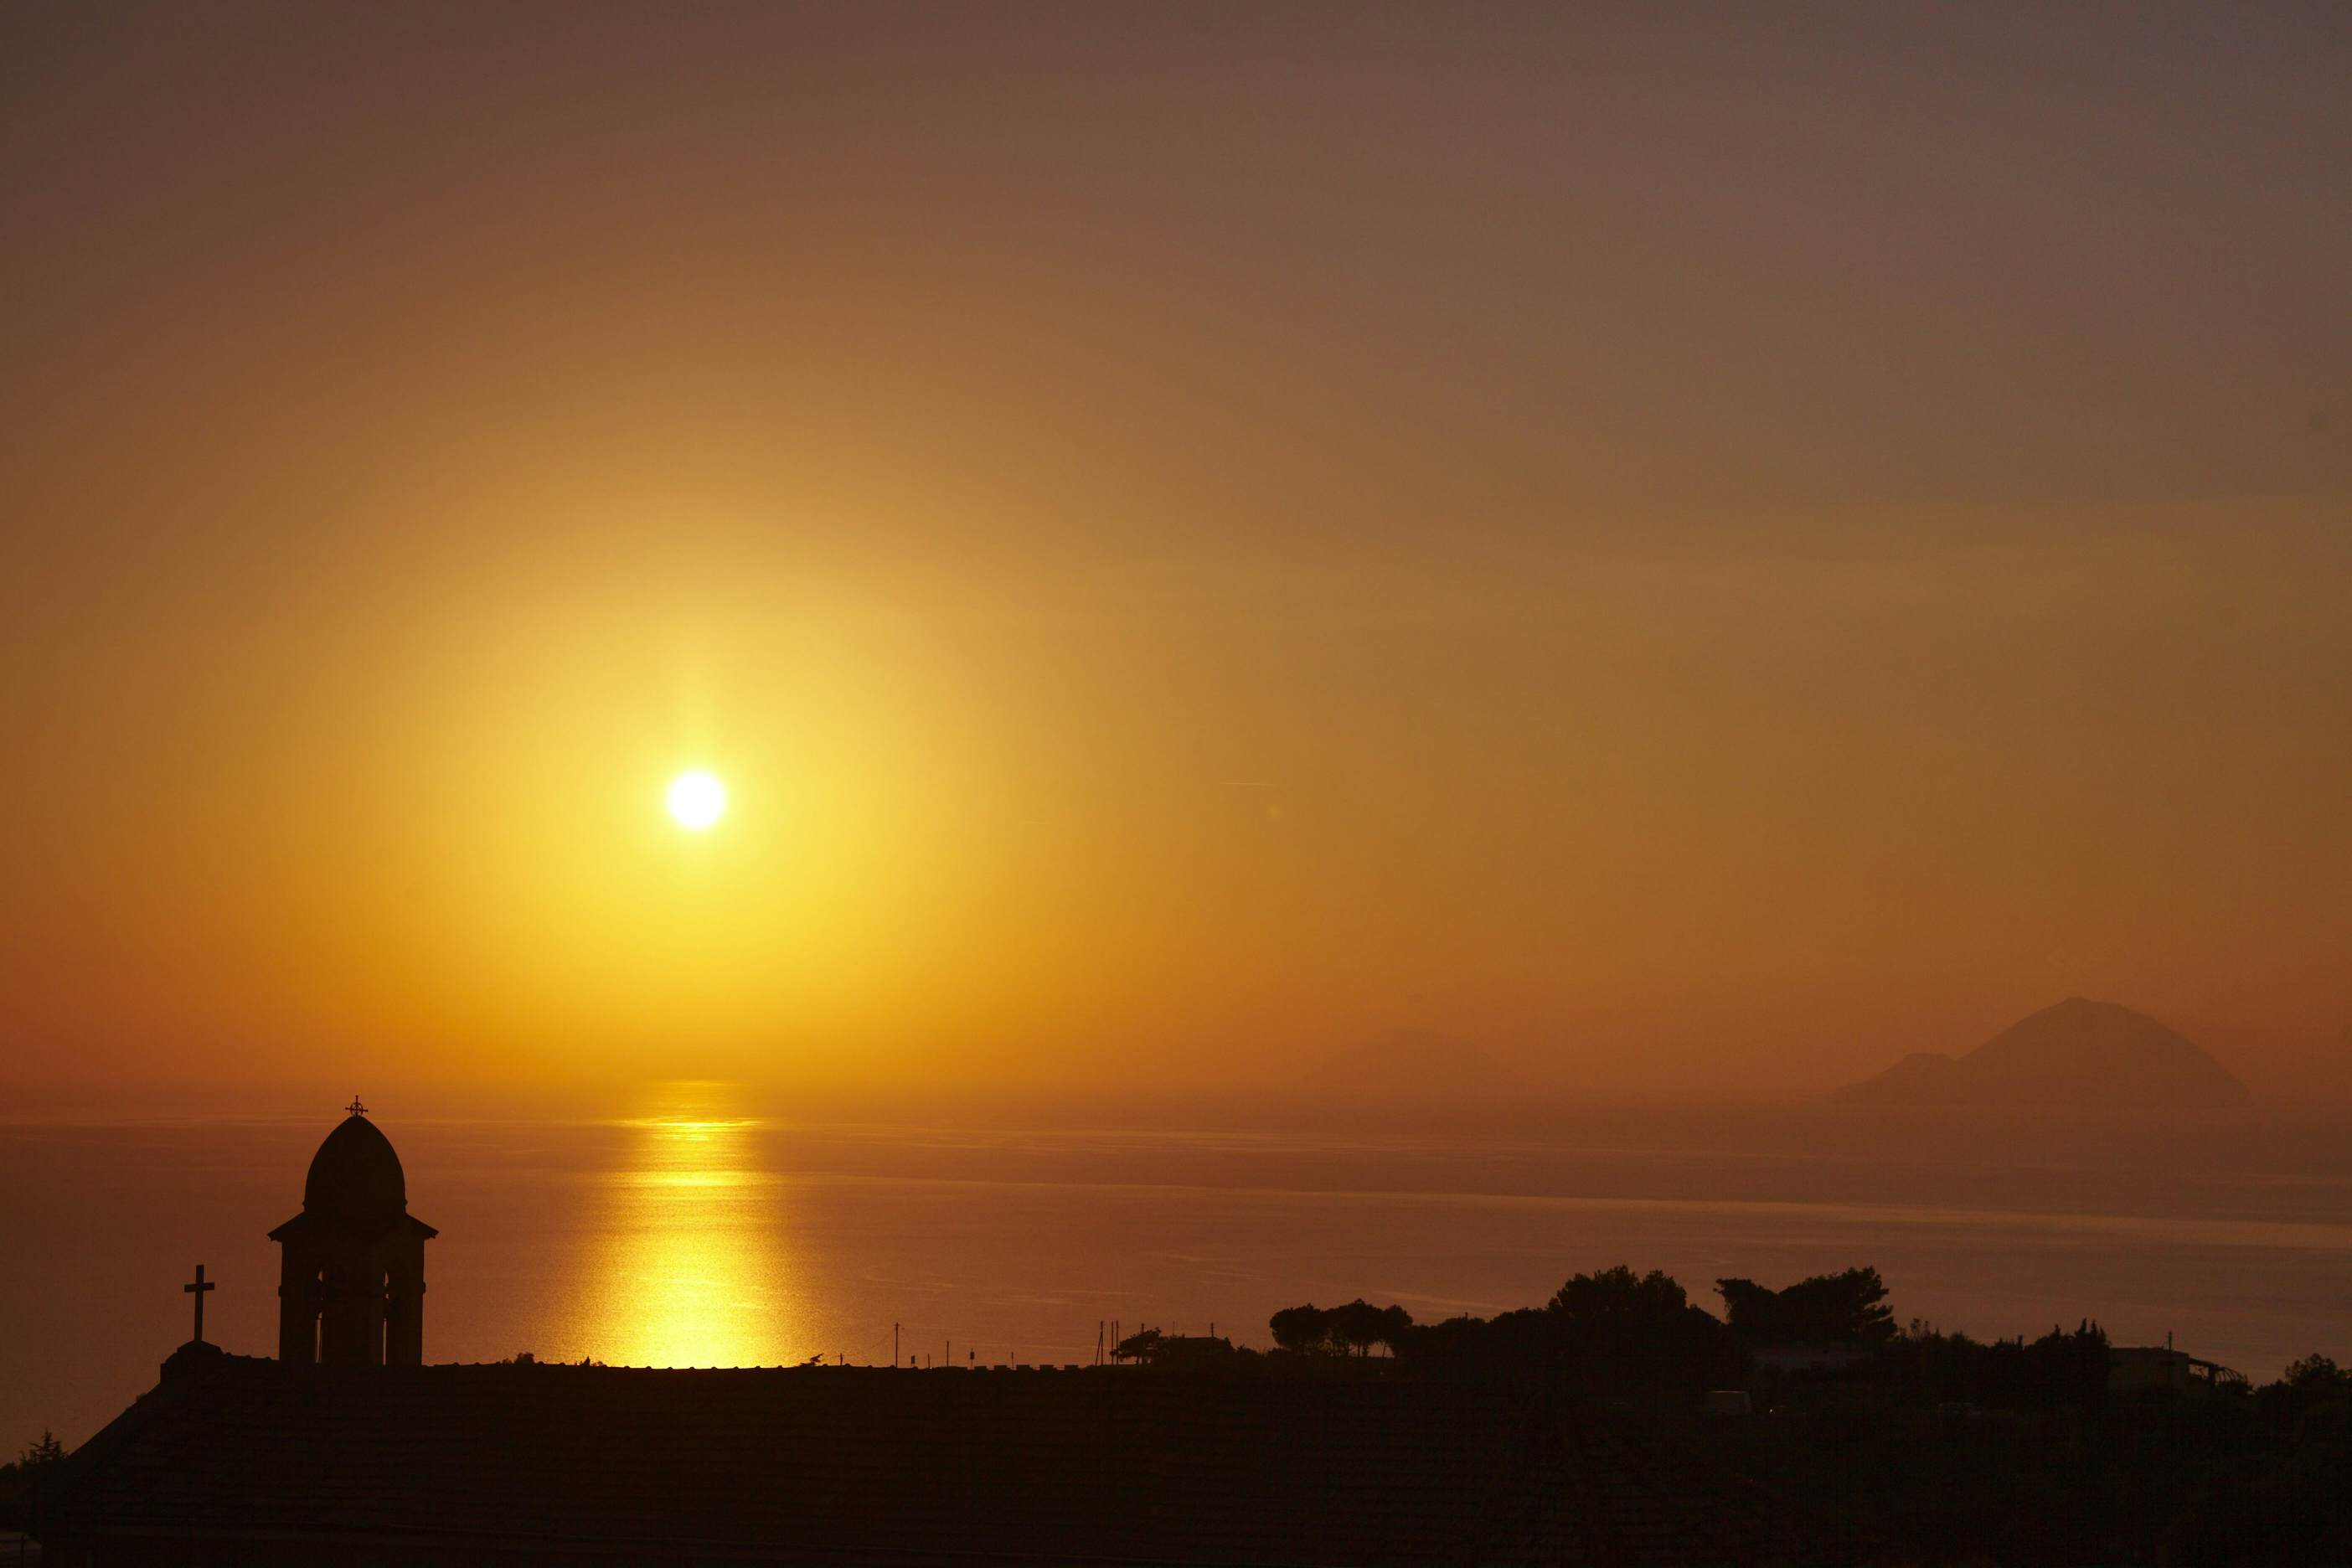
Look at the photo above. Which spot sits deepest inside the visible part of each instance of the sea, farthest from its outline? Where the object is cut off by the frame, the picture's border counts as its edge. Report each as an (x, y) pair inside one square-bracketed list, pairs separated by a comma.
[(695, 1228)]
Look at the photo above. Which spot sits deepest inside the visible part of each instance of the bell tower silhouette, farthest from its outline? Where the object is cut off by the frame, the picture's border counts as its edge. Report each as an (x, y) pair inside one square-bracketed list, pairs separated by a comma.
[(350, 1288)]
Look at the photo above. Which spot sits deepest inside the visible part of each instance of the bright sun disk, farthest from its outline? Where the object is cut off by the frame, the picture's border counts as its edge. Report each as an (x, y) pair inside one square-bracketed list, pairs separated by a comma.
[(697, 799)]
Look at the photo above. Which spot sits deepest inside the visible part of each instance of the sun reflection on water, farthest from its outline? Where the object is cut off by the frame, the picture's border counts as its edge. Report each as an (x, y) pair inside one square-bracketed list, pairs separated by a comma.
[(697, 1263)]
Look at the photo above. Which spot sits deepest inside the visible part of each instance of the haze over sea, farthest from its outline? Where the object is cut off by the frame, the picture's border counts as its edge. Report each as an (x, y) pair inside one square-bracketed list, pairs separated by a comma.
[(704, 1230)]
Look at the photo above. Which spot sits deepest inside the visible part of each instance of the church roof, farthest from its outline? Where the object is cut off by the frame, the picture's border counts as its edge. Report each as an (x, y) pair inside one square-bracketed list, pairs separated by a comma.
[(874, 1466), (355, 1184)]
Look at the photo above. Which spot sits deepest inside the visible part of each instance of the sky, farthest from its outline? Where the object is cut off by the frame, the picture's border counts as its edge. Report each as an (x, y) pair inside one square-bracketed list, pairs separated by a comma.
[(1691, 550)]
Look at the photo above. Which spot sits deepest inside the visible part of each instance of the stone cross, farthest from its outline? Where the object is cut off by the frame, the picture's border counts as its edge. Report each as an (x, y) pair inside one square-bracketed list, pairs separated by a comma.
[(198, 1289)]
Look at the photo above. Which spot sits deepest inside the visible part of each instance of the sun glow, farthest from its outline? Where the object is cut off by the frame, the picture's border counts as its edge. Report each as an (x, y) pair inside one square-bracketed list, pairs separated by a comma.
[(697, 799)]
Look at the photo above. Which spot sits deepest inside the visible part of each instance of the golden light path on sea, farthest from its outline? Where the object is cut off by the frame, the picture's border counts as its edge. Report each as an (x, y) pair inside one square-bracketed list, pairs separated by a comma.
[(696, 1260)]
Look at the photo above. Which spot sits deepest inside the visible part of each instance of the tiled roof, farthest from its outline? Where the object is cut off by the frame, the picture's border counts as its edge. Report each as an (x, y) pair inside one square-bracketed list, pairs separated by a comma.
[(866, 1465)]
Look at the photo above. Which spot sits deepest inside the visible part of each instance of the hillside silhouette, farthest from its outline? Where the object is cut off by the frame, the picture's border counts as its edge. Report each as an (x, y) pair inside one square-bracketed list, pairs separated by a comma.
[(2079, 1053)]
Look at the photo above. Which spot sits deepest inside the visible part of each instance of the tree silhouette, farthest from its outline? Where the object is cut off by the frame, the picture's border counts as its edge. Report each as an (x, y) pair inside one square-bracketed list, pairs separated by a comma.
[(1304, 1330), (1620, 1332), (1351, 1329), (1618, 1296), (1359, 1325), (1827, 1308)]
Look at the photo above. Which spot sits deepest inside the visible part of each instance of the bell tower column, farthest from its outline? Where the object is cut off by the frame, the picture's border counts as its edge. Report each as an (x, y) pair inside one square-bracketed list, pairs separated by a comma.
[(404, 1309), (298, 1304)]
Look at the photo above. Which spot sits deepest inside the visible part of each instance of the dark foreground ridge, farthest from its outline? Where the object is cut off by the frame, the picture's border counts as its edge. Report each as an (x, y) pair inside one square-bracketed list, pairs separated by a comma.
[(1284, 1458), (1618, 1423), (233, 1459)]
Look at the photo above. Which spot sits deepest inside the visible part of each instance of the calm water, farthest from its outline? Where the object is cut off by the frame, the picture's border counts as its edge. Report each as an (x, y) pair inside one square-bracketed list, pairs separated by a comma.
[(694, 1234)]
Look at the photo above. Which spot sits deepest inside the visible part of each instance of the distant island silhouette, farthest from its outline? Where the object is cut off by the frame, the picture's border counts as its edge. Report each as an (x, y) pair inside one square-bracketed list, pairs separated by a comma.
[(2078, 1053)]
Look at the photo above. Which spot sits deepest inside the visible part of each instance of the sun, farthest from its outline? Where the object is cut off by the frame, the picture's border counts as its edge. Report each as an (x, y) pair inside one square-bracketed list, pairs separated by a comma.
[(697, 799)]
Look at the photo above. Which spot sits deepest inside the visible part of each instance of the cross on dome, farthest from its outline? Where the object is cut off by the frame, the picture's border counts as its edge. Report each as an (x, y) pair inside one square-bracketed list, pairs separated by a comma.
[(355, 1107)]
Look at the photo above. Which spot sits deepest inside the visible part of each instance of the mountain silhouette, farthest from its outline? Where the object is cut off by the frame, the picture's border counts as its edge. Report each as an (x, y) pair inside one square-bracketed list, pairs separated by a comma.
[(2078, 1053)]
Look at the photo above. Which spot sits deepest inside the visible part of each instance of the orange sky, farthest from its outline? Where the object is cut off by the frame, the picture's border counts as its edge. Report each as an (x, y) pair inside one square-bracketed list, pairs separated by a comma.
[(1697, 552)]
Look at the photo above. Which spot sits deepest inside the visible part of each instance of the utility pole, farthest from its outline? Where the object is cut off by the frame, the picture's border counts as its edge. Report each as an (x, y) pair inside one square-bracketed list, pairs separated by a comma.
[(894, 1346)]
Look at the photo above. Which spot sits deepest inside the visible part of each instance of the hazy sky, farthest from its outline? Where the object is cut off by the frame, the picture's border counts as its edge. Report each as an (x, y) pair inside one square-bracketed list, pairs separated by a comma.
[(1699, 548)]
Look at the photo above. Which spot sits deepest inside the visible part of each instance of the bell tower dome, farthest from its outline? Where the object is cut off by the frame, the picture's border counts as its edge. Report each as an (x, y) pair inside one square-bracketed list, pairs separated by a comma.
[(350, 1288)]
